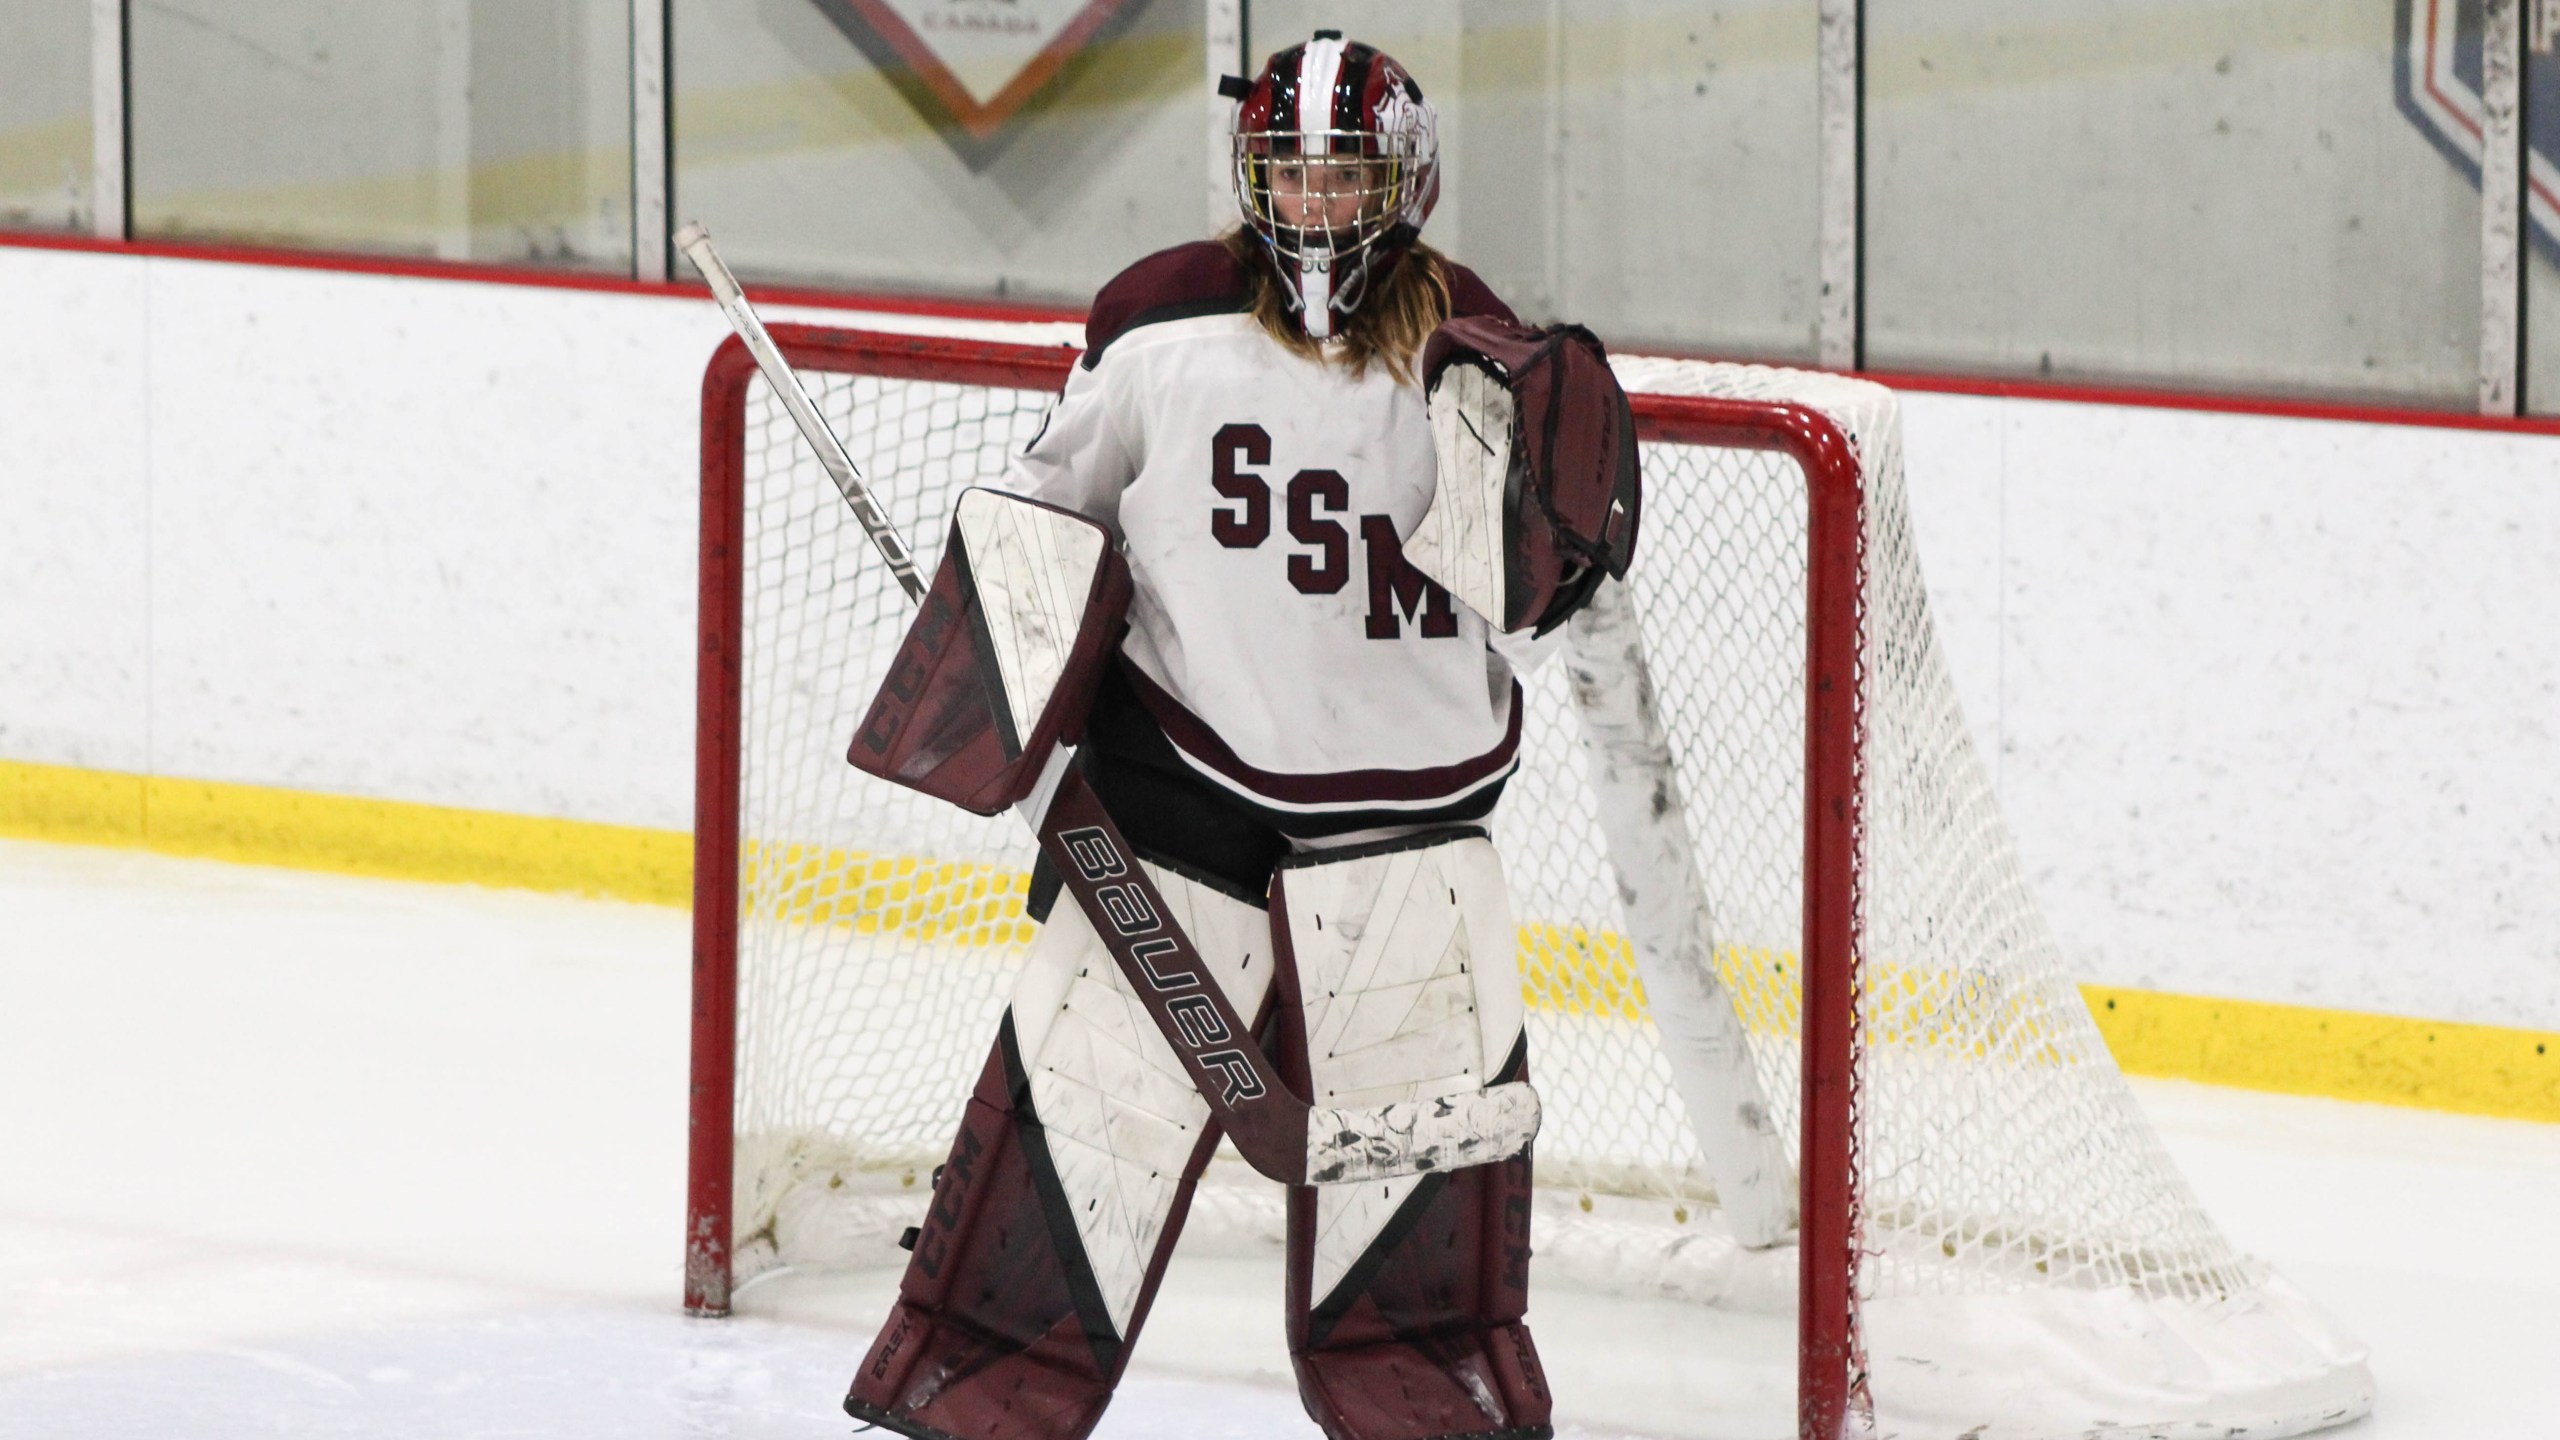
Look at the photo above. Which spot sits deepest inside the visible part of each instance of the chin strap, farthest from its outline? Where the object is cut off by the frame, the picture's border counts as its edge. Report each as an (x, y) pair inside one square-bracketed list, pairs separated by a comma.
[(1317, 297), (1315, 300)]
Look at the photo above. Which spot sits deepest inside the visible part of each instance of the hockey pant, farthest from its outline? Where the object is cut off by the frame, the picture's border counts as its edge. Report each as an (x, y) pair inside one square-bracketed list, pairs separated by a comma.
[(1051, 1222)]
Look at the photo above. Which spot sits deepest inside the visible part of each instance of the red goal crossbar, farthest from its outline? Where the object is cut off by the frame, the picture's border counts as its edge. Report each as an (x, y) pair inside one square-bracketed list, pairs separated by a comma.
[(1831, 1365)]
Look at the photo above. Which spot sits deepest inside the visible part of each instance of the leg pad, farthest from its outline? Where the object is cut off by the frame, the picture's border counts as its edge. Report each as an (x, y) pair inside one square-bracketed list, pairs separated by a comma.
[(1399, 980)]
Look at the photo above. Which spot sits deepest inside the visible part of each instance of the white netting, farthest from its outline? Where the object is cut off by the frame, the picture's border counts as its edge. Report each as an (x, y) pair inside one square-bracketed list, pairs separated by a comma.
[(878, 930), (2000, 1150)]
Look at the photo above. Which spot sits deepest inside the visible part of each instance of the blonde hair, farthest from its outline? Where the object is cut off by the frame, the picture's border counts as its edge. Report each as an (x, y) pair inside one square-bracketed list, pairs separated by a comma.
[(1405, 305)]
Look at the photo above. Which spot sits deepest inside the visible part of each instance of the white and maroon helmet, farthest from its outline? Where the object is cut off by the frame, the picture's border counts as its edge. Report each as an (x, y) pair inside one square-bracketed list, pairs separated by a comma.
[(1336, 98)]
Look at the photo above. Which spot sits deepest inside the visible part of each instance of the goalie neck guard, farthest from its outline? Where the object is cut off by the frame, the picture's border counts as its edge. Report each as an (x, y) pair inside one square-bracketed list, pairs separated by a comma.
[(1337, 164)]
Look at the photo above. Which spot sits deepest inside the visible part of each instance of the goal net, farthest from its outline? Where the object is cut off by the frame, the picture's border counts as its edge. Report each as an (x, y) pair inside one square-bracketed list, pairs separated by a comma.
[(1758, 869)]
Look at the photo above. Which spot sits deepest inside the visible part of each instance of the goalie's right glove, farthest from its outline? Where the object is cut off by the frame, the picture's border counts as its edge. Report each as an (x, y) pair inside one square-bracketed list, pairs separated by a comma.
[(1539, 489)]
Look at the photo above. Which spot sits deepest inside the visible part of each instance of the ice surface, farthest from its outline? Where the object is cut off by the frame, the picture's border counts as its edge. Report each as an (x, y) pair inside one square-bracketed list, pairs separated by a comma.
[(293, 1155)]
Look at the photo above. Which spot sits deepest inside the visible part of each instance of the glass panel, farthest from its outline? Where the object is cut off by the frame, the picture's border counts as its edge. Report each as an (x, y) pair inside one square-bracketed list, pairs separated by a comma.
[(1647, 169), (2258, 194), (1692, 205), (928, 144), (491, 130), (2542, 209), (814, 145), (44, 115)]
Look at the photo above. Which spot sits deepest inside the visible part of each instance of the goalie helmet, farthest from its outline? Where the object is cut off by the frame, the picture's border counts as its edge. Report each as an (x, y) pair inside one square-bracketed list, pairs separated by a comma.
[(1337, 164)]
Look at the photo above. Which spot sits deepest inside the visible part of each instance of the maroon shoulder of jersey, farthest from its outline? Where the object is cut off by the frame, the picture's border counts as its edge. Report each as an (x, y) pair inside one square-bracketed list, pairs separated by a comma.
[(1200, 278), (1203, 278), (1469, 295)]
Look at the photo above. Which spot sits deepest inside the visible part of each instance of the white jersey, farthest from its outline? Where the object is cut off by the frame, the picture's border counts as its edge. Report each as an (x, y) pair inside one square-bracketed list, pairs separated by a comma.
[(1277, 634)]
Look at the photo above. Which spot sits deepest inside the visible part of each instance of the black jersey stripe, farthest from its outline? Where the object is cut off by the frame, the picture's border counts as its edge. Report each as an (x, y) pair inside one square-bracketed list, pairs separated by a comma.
[(1190, 309)]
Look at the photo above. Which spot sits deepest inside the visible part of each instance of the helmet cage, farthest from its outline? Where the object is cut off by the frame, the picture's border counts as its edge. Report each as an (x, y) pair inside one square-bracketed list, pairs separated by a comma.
[(1333, 203), (1295, 184)]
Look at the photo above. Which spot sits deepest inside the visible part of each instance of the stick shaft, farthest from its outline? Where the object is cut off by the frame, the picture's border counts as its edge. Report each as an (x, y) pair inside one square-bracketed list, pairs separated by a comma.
[(695, 242)]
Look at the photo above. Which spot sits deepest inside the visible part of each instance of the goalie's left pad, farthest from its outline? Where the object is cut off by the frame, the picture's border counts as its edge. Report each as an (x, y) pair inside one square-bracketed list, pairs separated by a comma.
[(1000, 664), (1399, 980), (1538, 493)]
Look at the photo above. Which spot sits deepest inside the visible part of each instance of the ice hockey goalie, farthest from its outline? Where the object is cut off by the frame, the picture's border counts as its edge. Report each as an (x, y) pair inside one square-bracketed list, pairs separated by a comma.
[(1301, 737)]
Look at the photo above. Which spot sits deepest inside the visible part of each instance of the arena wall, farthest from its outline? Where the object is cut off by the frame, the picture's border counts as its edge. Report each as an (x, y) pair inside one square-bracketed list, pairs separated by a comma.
[(2271, 701)]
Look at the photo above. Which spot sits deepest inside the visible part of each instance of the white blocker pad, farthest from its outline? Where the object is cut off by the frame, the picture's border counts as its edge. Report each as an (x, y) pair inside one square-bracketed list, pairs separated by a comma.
[(1032, 569), (1459, 540), (1119, 1113), (1408, 986), (1001, 662)]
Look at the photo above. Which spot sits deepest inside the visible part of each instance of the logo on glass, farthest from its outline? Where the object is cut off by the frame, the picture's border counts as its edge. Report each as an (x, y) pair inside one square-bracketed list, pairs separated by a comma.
[(970, 66), (2437, 77)]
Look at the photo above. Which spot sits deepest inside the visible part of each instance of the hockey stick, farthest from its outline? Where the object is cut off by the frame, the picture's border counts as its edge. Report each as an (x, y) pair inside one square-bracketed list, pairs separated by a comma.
[(695, 242), (1273, 1127)]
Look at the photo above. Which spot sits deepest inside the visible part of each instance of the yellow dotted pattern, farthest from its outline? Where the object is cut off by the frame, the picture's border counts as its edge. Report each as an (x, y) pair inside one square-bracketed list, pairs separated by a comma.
[(1570, 970), (946, 902)]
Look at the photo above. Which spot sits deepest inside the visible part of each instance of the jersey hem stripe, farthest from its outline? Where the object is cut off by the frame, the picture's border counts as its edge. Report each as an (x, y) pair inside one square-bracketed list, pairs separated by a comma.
[(1199, 744)]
